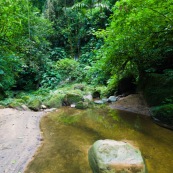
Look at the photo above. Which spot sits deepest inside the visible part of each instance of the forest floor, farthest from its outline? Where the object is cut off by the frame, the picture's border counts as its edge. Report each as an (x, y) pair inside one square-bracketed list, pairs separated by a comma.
[(132, 103), (19, 138)]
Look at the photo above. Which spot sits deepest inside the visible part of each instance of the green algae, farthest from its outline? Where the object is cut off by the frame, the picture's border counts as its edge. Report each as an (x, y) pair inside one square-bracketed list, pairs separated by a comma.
[(69, 133)]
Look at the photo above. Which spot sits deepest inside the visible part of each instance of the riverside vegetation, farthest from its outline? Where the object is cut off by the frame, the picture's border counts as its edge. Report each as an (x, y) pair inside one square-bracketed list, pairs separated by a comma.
[(123, 45), (54, 53)]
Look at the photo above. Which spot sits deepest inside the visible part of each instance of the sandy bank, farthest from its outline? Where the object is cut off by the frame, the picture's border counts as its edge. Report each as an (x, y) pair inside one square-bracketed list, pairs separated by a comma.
[(19, 139)]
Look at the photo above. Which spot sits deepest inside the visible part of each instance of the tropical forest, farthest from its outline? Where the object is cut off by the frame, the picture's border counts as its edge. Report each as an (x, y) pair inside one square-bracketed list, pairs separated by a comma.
[(86, 86)]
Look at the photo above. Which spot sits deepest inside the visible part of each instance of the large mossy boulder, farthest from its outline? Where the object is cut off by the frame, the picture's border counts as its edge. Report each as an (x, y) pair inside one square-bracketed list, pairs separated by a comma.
[(55, 101), (109, 156), (35, 104), (72, 98)]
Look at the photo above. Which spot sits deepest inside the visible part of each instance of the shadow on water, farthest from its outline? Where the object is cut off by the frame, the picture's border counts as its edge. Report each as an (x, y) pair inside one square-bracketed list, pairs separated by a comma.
[(69, 133)]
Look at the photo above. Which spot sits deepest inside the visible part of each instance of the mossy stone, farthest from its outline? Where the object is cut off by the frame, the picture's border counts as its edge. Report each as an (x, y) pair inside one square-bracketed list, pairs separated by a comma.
[(54, 101), (72, 98), (82, 105), (15, 103), (35, 104)]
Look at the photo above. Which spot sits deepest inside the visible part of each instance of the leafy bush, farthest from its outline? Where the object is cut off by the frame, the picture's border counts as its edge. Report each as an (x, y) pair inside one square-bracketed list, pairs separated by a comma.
[(164, 113), (50, 79), (70, 69), (57, 53), (157, 88), (9, 67), (112, 85)]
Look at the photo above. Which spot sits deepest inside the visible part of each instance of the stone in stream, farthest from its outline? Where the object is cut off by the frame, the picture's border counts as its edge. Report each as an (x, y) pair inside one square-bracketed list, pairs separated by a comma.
[(109, 156), (112, 99), (98, 101)]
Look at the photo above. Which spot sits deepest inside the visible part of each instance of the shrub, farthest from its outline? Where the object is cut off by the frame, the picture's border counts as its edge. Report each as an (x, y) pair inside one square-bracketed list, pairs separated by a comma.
[(157, 88), (112, 85), (164, 113), (50, 79), (70, 69)]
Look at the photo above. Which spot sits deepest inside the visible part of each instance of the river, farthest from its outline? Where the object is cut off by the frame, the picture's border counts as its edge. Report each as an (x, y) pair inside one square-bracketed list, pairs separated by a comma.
[(69, 133)]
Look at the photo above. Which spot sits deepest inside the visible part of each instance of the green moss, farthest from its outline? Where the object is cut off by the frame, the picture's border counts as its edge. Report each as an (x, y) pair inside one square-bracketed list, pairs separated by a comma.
[(16, 103), (164, 113), (54, 101), (82, 105), (26, 98), (71, 98), (35, 104)]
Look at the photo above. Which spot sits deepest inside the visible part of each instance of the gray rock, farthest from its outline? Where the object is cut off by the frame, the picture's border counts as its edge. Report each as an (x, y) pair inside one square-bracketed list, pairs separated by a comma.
[(109, 156), (88, 97), (112, 99), (50, 110), (25, 108), (99, 102)]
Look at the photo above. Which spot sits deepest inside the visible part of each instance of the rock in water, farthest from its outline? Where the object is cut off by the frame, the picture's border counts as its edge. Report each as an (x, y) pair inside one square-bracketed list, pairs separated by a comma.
[(98, 101), (109, 156), (112, 99)]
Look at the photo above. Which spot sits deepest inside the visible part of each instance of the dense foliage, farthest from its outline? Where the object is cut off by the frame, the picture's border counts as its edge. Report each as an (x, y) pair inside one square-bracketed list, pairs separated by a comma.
[(125, 45)]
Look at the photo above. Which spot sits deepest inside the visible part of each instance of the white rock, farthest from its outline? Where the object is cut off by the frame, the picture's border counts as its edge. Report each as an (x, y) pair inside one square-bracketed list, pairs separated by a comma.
[(98, 101), (43, 107), (72, 105), (112, 99), (109, 156)]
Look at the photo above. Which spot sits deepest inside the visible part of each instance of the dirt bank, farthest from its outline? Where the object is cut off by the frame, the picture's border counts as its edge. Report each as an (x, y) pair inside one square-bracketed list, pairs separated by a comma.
[(19, 139), (132, 103)]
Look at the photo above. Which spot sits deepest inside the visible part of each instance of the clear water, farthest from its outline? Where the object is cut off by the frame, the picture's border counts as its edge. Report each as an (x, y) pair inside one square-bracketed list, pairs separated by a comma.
[(69, 133)]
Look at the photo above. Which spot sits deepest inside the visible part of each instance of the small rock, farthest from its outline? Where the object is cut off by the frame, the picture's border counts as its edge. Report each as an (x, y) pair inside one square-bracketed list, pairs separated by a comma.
[(99, 102), (112, 99), (25, 108), (50, 110), (43, 107), (72, 105)]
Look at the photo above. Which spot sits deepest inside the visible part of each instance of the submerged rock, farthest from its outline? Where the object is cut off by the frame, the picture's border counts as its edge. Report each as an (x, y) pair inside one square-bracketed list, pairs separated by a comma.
[(109, 156), (105, 100)]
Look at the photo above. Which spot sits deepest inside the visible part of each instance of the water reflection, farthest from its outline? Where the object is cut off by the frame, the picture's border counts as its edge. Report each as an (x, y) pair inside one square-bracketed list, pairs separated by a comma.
[(69, 133)]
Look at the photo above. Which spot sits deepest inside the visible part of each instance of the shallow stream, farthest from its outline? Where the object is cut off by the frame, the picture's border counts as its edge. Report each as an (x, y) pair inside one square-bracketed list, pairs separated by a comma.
[(69, 133)]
